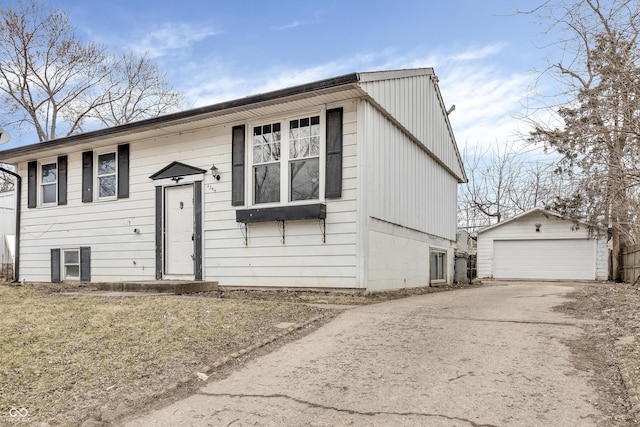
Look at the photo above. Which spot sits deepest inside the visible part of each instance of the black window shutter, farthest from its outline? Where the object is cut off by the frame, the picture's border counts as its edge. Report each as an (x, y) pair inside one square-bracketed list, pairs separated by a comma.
[(237, 166), (123, 171), (32, 184), (87, 176), (62, 180), (55, 265), (85, 264), (333, 176)]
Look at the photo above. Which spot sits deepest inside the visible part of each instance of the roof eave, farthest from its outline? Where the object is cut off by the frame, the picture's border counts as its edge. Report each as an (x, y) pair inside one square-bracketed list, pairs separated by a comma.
[(344, 80), (529, 212)]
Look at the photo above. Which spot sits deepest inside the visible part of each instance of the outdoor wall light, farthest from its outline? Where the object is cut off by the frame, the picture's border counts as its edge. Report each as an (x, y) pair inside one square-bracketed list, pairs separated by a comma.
[(538, 227), (214, 172)]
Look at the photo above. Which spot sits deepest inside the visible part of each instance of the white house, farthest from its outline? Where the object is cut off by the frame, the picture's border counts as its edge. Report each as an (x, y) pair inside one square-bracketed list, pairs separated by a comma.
[(7, 229), (348, 183), (540, 244)]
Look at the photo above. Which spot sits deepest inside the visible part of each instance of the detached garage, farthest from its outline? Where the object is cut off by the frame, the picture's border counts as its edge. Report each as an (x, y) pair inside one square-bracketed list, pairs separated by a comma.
[(541, 245)]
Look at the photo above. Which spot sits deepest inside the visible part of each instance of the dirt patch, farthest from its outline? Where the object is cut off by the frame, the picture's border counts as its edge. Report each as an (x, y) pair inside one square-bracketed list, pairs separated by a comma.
[(609, 350), (83, 358)]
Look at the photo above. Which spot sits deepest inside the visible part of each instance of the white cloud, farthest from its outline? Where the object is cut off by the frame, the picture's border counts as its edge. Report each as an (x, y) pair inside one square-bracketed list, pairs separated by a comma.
[(479, 52), (487, 103), (172, 37), (293, 24), (488, 97), (210, 83)]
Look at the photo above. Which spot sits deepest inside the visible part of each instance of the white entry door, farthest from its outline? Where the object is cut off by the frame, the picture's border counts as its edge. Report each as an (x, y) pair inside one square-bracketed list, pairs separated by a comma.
[(179, 232)]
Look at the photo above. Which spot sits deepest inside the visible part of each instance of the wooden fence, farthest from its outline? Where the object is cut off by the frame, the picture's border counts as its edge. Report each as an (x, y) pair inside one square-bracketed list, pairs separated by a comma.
[(630, 263)]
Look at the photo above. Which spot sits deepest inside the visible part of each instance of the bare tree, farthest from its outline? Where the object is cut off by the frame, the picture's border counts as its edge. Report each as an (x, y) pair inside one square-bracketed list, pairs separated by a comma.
[(138, 90), (505, 180), (6, 181), (598, 134), (55, 83)]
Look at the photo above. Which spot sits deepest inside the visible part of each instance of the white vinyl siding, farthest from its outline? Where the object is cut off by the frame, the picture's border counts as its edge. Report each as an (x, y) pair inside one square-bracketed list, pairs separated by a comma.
[(417, 105), (7, 226), (404, 185), (393, 192), (304, 260), (118, 253)]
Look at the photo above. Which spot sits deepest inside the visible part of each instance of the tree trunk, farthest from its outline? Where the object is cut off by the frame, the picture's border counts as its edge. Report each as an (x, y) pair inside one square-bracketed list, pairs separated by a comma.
[(616, 266)]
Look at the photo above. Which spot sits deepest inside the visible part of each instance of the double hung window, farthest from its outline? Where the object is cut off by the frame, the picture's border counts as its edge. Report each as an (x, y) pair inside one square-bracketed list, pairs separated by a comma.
[(106, 176), (71, 263), (286, 165), (267, 144), (304, 158), (49, 183)]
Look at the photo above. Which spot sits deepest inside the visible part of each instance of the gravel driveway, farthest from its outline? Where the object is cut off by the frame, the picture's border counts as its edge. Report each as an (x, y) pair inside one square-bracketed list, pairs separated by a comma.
[(489, 356)]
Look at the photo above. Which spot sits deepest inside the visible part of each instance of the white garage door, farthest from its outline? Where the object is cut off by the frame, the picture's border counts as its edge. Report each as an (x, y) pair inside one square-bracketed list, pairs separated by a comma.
[(544, 259)]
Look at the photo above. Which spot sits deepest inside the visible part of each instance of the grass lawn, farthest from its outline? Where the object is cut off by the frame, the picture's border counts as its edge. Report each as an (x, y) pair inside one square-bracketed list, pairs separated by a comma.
[(66, 358)]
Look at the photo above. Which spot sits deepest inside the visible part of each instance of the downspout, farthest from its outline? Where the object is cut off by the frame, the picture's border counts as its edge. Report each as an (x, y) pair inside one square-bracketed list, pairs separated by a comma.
[(16, 266)]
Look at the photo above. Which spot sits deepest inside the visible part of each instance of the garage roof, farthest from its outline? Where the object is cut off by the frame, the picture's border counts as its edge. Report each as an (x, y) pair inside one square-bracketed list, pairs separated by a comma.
[(529, 212)]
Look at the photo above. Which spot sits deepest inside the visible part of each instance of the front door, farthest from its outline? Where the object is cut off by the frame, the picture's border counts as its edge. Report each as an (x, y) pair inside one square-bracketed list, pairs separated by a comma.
[(179, 232)]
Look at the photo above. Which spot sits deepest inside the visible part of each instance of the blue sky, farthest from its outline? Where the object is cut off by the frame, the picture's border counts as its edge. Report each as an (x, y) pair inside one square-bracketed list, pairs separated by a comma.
[(212, 51)]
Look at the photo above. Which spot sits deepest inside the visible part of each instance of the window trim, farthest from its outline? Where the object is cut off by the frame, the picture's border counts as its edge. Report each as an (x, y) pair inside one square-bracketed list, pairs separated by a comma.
[(63, 265), (285, 160), (41, 185), (97, 176), (436, 253)]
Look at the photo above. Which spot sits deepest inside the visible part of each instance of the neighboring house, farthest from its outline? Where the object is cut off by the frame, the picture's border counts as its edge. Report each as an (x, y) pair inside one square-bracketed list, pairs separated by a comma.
[(348, 183), (540, 244), (7, 231)]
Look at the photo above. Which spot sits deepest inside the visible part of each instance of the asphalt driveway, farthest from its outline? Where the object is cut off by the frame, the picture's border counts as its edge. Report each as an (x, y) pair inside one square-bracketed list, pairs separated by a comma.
[(489, 356)]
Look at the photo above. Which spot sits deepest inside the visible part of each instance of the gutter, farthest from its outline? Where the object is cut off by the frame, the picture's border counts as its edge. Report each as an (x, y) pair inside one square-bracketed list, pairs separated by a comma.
[(177, 117), (16, 264)]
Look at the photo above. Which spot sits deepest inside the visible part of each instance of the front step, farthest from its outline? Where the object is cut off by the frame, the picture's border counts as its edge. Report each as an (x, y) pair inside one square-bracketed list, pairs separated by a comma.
[(159, 286)]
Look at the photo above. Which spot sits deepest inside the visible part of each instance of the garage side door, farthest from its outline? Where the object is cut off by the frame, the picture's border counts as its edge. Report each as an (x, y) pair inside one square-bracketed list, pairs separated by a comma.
[(544, 259)]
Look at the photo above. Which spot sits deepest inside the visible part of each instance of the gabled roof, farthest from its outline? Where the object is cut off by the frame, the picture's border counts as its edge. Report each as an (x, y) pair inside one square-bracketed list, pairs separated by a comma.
[(527, 213), (368, 85)]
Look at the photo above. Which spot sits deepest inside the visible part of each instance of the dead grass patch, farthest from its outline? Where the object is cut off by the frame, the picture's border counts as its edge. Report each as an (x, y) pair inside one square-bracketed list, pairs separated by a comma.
[(65, 356), (617, 306)]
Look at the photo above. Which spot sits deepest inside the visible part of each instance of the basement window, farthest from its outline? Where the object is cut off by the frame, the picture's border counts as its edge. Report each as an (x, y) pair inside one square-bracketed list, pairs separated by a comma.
[(71, 264), (438, 266)]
